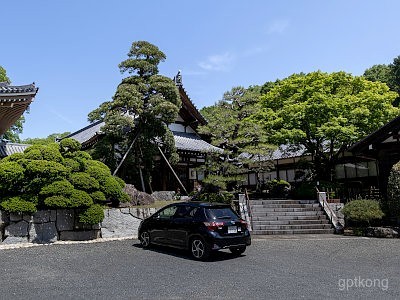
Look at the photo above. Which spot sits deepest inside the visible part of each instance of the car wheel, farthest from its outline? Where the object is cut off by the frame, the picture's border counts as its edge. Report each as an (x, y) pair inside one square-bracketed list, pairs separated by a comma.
[(238, 250), (145, 239), (199, 248)]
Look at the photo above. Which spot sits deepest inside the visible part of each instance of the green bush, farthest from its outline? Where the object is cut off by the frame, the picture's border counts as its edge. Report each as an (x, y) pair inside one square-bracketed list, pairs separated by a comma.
[(13, 157), (98, 173), (77, 199), (58, 201), (72, 165), (62, 187), (61, 176), (98, 197), (278, 188), (393, 192), (93, 215), (69, 145), (83, 181), (11, 173), (18, 205), (120, 181), (110, 187), (362, 211)]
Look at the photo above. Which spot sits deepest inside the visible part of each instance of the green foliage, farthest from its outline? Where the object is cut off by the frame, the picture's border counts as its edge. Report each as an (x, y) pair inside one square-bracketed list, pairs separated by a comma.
[(154, 101), (45, 141), (69, 145), (112, 189), (324, 113), (11, 175), (278, 188), (18, 205), (62, 187), (221, 197), (93, 215), (393, 192), (84, 181), (48, 152), (243, 142), (77, 199), (44, 178), (73, 165), (120, 181), (98, 197), (363, 211)]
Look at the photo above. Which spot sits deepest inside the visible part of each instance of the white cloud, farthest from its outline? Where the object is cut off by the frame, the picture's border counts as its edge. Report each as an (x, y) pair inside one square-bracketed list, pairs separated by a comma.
[(218, 62), (278, 26)]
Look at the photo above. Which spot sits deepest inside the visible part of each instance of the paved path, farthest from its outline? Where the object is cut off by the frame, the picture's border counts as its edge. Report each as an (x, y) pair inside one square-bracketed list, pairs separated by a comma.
[(273, 268)]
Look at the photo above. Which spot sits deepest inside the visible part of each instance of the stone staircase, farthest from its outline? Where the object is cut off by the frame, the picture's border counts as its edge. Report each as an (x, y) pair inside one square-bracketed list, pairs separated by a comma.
[(288, 217)]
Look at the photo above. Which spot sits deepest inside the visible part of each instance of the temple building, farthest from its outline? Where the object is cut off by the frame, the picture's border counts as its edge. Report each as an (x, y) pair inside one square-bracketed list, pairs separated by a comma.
[(14, 100), (190, 146)]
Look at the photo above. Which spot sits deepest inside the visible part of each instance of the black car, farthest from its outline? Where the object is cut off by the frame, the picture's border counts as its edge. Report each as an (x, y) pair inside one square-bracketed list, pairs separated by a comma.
[(198, 227)]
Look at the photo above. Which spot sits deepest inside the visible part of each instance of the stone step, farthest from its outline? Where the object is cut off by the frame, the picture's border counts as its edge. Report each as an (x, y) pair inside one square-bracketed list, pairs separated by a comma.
[(291, 227), (285, 209), (291, 222), (278, 218), (281, 201), (294, 231), (260, 206), (290, 213)]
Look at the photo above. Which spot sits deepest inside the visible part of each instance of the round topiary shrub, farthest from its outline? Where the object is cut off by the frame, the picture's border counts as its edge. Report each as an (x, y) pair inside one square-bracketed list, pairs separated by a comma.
[(81, 199), (11, 174), (93, 215), (58, 201), (18, 205), (62, 187), (62, 176), (69, 145), (98, 197), (73, 165), (362, 211), (83, 181)]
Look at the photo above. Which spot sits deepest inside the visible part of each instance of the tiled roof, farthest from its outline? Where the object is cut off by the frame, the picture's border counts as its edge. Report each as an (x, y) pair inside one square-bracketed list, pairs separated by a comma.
[(15, 90), (192, 142), (7, 149), (183, 141), (85, 134)]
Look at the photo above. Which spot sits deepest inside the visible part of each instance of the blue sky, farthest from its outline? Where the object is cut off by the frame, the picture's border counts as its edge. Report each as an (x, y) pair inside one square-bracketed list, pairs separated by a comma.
[(71, 49)]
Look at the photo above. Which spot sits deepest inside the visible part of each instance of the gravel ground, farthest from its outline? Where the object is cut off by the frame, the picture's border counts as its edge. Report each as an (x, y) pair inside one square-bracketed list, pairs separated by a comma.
[(310, 267)]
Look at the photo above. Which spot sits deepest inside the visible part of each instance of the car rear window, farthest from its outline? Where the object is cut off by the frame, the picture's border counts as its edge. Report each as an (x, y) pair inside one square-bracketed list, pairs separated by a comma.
[(221, 213)]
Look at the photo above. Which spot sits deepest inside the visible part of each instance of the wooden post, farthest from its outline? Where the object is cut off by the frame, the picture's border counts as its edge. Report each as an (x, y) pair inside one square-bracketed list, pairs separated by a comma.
[(126, 153), (173, 172)]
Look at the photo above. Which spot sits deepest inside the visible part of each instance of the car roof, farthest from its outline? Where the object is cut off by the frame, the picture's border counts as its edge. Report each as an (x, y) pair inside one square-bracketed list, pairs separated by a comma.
[(202, 204)]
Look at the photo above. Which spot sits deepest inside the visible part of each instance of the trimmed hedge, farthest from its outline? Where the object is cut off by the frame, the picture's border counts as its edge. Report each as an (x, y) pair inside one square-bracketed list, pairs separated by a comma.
[(84, 181), (93, 215), (18, 205), (363, 211), (61, 175)]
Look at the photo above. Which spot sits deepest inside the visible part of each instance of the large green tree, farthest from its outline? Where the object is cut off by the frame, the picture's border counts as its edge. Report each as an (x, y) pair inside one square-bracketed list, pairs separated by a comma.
[(243, 142), (142, 107), (16, 129), (324, 114), (389, 74)]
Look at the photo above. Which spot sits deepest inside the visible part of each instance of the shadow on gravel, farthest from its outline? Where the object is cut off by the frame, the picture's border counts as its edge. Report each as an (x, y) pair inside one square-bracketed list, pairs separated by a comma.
[(214, 257)]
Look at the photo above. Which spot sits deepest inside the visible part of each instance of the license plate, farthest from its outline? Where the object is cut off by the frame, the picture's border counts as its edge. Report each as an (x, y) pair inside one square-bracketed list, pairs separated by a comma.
[(232, 229)]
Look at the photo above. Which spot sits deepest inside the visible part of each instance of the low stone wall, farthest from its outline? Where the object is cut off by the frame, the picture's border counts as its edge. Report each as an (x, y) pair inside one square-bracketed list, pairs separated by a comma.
[(48, 226), (45, 226)]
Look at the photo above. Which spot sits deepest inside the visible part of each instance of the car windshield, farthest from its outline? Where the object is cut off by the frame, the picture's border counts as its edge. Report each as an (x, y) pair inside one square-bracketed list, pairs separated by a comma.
[(221, 213)]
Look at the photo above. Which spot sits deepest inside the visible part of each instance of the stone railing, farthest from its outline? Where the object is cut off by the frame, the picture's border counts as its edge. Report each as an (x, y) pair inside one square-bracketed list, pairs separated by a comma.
[(49, 226)]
